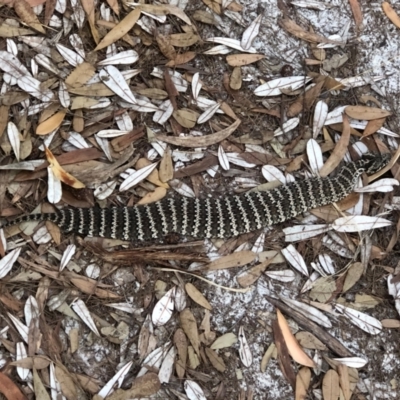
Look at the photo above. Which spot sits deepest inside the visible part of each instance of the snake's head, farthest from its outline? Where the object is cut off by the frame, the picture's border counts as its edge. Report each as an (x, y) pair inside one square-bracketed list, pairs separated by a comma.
[(371, 163)]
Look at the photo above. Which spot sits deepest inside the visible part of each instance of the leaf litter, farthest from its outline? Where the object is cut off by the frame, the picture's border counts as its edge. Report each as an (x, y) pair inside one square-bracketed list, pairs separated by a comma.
[(74, 94)]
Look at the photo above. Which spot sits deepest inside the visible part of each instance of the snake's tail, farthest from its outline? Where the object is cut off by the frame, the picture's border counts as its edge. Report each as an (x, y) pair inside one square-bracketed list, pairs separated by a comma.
[(54, 217)]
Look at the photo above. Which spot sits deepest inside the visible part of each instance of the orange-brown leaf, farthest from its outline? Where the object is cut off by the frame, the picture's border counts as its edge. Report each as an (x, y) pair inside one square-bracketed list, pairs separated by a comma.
[(10, 389), (60, 172), (292, 344), (357, 13), (391, 14), (50, 124)]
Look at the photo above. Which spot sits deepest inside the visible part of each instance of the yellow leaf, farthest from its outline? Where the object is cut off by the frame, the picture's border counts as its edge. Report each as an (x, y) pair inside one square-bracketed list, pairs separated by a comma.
[(120, 29), (50, 124)]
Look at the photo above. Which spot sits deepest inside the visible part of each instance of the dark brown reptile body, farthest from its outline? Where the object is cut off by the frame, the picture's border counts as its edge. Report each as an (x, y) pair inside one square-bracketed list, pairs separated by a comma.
[(212, 217)]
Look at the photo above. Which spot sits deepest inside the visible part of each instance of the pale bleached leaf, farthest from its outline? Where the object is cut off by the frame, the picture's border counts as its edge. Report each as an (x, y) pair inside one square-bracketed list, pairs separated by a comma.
[(317, 267), (108, 388), (275, 86), (45, 62), (154, 359), (335, 116), (250, 33), (115, 81), (327, 264), (235, 158), (180, 83), (244, 349), (272, 173), (352, 362), (10, 64), (111, 133), (54, 188), (288, 126), (204, 103), (34, 88), (69, 252), (21, 328), (308, 311), (258, 246), (167, 366), (54, 384), (335, 243), (63, 95), (382, 185), (193, 390), (208, 113), (127, 57), (77, 44), (364, 321), (182, 188), (314, 154), (320, 114), (80, 308), (137, 177), (13, 137), (124, 121), (196, 85), (303, 232), (393, 287), (21, 354), (217, 50), (223, 159), (7, 262), (180, 299), (165, 110), (30, 165), (310, 282), (69, 55), (105, 190), (164, 308), (295, 259), (313, 4), (284, 275), (125, 307), (31, 310), (359, 223), (233, 43), (358, 81), (142, 105)]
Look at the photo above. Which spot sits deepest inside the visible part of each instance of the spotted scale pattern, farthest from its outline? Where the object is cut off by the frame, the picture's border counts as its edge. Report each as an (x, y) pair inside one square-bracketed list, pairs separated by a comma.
[(210, 217)]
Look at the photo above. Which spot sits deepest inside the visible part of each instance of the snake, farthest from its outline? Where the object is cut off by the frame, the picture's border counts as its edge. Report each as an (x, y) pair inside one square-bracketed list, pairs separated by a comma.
[(210, 217)]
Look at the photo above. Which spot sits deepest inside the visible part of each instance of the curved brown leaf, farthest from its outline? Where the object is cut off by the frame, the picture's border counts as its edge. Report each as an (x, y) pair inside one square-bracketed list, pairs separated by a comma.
[(338, 152), (292, 344), (202, 141)]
